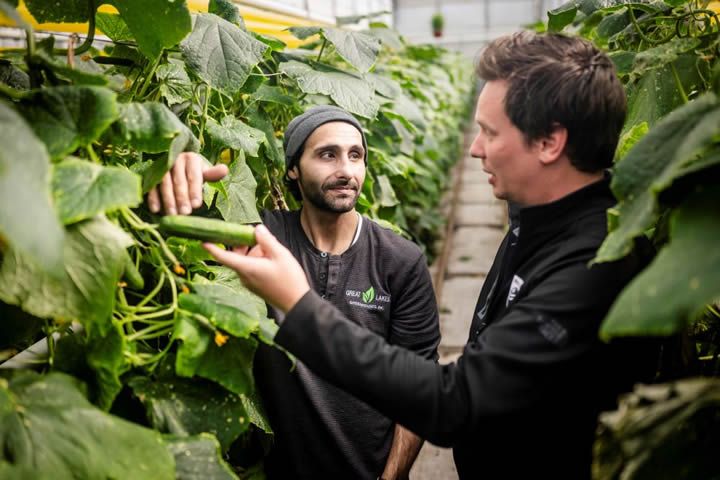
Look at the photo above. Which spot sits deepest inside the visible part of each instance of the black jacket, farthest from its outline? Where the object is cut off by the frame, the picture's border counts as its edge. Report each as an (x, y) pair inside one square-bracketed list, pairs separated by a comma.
[(523, 399)]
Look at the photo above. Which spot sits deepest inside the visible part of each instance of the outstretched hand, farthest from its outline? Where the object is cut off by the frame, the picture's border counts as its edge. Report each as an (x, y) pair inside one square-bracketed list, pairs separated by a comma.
[(268, 269), (181, 188)]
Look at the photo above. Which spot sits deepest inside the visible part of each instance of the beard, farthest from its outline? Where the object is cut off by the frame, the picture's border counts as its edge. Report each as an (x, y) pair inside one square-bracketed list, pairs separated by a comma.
[(323, 198)]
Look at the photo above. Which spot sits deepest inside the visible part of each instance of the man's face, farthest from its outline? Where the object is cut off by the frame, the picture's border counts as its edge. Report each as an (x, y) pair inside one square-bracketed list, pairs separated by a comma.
[(513, 166), (331, 170)]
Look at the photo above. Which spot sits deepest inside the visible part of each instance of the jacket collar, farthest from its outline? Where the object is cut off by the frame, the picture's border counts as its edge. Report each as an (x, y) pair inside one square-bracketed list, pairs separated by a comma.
[(559, 213)]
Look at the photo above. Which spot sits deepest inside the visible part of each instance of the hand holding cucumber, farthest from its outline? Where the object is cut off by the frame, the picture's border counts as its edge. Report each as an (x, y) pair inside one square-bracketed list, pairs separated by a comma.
[(269, 269)]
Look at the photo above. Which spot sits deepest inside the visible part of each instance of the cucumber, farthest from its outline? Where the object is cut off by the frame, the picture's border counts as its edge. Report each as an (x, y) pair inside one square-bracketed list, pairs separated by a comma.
[(208, 230), (132, 275)]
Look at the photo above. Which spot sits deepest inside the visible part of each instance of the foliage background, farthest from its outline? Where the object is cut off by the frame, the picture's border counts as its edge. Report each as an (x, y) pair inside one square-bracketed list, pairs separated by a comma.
[(156, 380)]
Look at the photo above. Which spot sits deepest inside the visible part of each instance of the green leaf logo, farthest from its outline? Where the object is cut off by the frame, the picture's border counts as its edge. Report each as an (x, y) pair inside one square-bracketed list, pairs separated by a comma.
[(369, 295)]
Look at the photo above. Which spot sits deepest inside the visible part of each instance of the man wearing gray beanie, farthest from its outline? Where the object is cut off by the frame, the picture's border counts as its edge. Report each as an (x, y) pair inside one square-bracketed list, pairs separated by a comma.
[(378, 278), (375, 277)]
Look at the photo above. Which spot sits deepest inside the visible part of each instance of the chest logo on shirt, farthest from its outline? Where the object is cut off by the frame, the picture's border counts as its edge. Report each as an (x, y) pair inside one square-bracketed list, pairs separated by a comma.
[(515, 286), (367, 299)]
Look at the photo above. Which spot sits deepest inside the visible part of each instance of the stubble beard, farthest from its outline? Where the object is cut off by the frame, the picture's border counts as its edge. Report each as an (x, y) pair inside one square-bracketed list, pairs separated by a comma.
[(321, 197)]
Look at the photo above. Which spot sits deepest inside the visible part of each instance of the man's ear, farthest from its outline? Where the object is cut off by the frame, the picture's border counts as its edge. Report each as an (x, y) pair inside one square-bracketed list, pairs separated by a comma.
[(552, 146), (293, 173)]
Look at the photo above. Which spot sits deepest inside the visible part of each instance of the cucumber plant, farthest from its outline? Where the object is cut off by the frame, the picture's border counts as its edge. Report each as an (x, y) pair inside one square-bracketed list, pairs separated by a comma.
[(666, 180), (161, 374)]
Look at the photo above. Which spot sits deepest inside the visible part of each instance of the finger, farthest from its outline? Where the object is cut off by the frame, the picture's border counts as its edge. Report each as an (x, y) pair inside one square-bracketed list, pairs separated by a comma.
[(167, 194), (256, 251), (241, 249), (154, 200), (215, 173), (241, 264), (180, 187), (194, 174)]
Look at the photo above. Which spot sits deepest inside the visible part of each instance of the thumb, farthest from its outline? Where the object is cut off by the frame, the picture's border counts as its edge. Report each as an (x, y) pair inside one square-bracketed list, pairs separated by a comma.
[(215, 173), (270, 245)]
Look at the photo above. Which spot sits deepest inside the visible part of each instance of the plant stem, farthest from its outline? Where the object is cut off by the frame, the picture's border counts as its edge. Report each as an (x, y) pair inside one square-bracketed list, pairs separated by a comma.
[(150, 74), (12, 93), (322, 49), (208, 93), (678, 83), (91, 153), (152, 328)]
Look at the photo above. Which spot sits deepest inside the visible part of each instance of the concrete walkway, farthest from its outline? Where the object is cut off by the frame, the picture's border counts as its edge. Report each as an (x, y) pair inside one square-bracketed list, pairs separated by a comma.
[(477, 228)]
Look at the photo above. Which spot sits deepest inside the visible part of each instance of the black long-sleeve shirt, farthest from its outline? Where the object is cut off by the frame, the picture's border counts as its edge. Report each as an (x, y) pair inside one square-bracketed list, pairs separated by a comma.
[(523, 399)]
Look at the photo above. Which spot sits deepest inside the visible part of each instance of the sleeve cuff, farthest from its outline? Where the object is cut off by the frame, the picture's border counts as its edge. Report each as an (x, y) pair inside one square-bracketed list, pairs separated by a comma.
[(303, 309)]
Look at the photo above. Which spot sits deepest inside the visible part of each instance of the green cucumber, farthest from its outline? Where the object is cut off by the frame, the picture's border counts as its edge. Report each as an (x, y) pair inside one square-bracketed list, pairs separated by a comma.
[(208, 230), (132, 275)]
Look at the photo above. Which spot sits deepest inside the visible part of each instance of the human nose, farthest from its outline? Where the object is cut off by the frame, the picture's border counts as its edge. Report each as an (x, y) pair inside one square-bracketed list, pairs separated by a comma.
[(344, 165), (477, 147)]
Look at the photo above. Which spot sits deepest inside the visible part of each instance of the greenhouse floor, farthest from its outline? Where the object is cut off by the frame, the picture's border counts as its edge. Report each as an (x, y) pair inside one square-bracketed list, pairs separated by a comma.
[(476, 226)]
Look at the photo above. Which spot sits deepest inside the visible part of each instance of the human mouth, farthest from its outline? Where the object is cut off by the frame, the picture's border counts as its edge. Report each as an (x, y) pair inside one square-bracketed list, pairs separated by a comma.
[(344, 189), (491, 177)]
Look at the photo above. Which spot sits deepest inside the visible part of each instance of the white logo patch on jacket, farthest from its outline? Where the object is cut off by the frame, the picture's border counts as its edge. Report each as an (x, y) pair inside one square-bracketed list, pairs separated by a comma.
[(515, 286)]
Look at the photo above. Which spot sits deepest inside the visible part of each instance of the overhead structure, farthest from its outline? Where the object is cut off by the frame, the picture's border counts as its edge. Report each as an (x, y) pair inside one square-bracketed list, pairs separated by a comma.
[(267, 17)]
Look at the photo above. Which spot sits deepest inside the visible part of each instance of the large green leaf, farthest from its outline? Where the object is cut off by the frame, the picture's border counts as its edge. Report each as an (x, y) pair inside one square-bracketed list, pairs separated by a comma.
[(230, 365), (188, 251), (113, 26), (228, 10), (236, 319), (196, 338), (348, 91), (66, 118), (386, 194), (234, 133), (83, 189), (651, 167), (186, 407), (387, 36), (267, 93), (105, 356), (562, 16), (199, 458), (28, 222), (237, 203), (147, 127), (656, 93), (84, 71), (663, 54), (227, 289), (256, 412), (683, 278), (661, 431), (259, 119), (48, 427), (359, 49), (220, 53), (155, 25), (94, 258), (152, 127), (47, 11), (175, 84), (385, 85)]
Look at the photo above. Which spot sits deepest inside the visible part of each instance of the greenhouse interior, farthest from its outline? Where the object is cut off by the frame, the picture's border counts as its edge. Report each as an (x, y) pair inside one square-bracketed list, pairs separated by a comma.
[(388, 239)]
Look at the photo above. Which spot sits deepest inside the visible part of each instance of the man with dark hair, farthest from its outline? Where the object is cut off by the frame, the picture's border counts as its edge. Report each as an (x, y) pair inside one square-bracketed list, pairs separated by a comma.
[(522, 401), (373, 276)]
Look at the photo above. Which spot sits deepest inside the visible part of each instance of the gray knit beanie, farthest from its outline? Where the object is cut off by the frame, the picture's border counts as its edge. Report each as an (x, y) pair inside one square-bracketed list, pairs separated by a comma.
[(302, 126)]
